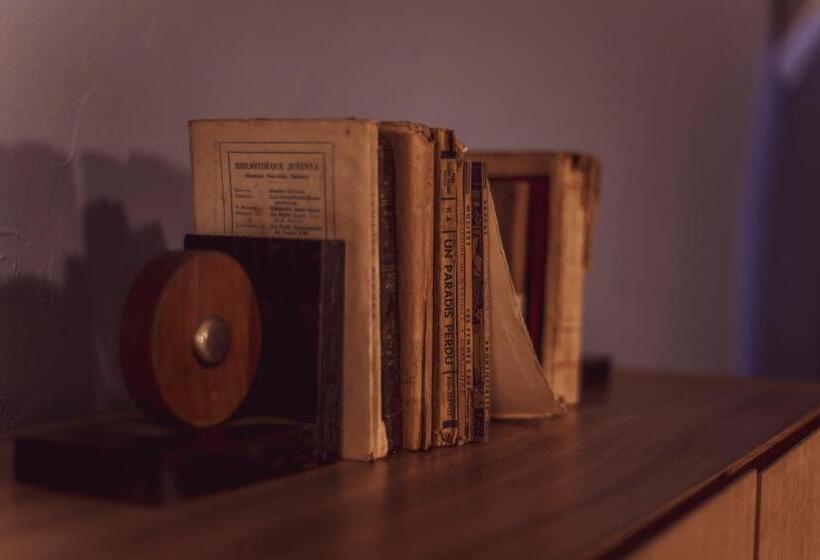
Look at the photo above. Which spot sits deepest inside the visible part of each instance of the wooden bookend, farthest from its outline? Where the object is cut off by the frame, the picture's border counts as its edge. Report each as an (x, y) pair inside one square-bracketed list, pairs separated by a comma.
[(190, 337), (132, 457), (299, 286), (284, 294)]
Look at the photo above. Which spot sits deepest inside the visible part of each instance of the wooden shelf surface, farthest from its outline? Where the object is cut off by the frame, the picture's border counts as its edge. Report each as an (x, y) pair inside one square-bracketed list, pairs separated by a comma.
[(593, 482)]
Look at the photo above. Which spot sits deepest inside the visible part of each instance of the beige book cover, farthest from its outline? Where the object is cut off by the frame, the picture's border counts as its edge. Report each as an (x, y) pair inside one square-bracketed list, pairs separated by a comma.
[(414, 148), (573, 199), (311, 179)]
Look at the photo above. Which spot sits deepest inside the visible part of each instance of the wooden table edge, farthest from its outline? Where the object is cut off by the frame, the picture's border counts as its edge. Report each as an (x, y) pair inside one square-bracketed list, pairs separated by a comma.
[(757, 459)]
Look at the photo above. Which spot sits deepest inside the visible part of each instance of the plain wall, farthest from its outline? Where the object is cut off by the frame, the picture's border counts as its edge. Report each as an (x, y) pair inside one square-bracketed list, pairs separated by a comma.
[(94, 171)]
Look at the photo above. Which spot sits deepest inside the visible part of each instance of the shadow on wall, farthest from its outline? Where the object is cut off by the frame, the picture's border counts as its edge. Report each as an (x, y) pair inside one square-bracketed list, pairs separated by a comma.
[(58, 343)]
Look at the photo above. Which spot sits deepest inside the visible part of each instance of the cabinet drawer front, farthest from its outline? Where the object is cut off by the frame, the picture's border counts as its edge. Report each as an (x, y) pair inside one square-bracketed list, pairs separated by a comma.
[(722, 528), (790, 504)]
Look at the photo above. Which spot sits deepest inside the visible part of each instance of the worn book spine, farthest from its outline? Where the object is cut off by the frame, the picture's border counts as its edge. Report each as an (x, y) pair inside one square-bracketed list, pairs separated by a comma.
[(428, 357), (480, 395), (413, 155), (572, 197), (446, 336), (389, 295), (430, 348), (465, 312)]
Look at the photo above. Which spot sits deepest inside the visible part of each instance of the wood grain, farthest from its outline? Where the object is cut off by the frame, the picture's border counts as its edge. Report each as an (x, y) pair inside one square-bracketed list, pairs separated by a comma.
[(723, 528), (165, 306), (300, 364), (131, 458), (599, 480), (790, 504)]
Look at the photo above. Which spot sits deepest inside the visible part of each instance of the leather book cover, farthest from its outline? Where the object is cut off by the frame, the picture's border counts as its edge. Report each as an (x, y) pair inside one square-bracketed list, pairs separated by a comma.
[(389, 297)]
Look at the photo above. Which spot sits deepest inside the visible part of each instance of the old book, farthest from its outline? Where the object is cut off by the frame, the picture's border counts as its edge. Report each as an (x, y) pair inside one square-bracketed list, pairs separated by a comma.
[(479, 232), (573, 199), (389, 297), (563, 198), (512, 203), (313, 179), (413, 154), (465, 307), (446, 341)]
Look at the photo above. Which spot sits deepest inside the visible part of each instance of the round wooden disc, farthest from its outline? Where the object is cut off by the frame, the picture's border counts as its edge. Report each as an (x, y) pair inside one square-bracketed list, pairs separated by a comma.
[(190, 337)]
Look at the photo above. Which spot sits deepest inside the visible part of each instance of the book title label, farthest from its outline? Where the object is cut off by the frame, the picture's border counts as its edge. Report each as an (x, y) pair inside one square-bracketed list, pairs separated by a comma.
[(277, 190)]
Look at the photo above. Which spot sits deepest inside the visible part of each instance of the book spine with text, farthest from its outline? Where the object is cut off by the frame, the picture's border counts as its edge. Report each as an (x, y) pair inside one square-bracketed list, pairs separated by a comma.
[(481, 305), (465, 307), (445, 305)]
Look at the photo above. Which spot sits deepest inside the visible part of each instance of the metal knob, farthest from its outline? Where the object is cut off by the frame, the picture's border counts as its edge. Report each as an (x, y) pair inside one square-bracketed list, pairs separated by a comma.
[(212, 341)]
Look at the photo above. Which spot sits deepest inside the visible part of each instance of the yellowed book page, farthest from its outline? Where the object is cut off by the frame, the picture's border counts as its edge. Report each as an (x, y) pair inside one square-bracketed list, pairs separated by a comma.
[(520, 390), (414, 148), (316, 180)]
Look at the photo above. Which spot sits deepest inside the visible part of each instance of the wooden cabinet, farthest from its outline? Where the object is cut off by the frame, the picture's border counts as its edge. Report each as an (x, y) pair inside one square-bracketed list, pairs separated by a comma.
[(659, 466), (783, 498), (790, 504), (723, 528)]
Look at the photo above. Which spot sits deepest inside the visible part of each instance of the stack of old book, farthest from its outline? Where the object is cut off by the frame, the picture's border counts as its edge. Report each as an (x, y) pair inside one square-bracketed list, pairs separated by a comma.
[(431, 322)]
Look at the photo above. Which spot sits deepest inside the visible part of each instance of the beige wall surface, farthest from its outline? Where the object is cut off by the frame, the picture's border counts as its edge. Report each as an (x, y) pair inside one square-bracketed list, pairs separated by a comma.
[(94, 173)]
